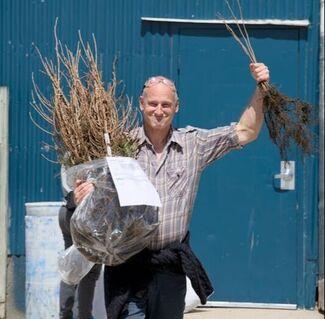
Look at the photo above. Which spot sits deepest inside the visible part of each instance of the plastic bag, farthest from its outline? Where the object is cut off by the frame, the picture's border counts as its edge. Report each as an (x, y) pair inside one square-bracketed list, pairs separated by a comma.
[(73, 266), (103, 231), (192, 300)]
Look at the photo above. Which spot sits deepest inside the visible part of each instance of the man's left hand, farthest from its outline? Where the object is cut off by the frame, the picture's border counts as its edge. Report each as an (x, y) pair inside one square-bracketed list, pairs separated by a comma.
[(259, 72)]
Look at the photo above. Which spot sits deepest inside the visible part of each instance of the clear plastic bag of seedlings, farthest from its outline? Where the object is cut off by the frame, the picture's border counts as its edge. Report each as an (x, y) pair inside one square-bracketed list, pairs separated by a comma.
[(73, 266), (103, 231)]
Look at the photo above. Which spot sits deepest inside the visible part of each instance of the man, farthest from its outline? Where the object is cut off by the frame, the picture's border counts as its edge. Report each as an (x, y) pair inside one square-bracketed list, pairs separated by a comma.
[(152, 285)]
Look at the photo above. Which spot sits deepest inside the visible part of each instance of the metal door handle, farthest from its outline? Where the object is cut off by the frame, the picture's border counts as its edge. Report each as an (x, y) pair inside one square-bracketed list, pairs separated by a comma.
[(287, 175)]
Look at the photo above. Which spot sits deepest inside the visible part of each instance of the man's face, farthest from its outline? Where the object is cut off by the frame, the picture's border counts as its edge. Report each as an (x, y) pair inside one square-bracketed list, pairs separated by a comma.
[(158, 105)]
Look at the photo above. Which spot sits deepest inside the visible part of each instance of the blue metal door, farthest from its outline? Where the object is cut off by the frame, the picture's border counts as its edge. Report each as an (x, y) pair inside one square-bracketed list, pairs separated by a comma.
[(244, 228)]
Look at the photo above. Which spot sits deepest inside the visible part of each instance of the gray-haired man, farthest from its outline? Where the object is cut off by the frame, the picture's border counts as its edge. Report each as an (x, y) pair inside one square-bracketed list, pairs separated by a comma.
[(152, 285)]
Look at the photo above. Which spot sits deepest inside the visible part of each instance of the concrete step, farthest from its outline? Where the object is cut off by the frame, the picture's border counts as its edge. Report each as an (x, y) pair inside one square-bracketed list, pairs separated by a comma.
[(238, 313)]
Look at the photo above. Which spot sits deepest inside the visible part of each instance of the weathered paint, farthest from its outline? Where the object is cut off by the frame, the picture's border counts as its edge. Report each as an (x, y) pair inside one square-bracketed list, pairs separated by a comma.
[(42, 251), (4, 111), (15, 301), (144, 49), (321, 226)]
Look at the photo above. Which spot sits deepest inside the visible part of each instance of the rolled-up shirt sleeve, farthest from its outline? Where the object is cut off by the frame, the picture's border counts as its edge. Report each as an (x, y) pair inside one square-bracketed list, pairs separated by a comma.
[(214, 143)]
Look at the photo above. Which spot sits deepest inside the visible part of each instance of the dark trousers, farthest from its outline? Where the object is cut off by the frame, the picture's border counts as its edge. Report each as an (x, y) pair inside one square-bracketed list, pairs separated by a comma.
[(86, 287), (163, 298), (167, 291)]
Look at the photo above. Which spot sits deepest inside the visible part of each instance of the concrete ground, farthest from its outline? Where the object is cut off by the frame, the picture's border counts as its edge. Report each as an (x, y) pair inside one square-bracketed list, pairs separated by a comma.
[(231, 313)]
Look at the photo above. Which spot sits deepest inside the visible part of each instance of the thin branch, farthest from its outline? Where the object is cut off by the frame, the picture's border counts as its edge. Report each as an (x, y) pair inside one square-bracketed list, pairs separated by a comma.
[(37, 125), (245, 30)]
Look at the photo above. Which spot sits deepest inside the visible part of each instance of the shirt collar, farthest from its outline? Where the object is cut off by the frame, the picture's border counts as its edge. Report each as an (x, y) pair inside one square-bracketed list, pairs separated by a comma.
[(173, 137), (177, 138)]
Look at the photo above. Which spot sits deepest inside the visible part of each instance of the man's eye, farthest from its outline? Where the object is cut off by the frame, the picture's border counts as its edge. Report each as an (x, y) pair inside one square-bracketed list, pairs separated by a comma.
[(167, 105)]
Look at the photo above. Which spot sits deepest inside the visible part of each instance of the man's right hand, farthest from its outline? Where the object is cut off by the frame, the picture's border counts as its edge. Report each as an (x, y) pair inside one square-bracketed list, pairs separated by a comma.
[(82, 189)]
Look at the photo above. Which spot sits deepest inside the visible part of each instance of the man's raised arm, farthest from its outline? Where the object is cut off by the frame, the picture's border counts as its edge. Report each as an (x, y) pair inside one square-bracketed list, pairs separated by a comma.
[(252, 118)]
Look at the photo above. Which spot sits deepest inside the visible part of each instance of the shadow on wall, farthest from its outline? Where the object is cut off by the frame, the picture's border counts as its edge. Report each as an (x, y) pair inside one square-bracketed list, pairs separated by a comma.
[(217, 30), (16, 278)]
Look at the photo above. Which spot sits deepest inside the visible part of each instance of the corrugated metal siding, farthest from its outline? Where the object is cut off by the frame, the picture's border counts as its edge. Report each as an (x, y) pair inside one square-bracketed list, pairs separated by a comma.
[(143, 49)]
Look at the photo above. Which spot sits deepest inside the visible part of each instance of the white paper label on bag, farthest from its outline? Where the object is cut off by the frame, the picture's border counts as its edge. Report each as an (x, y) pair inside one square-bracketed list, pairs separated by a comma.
[(131, 182)]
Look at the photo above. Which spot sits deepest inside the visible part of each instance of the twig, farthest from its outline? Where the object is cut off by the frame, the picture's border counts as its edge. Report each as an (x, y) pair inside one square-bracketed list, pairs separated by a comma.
[(287, 119), (81, 110)]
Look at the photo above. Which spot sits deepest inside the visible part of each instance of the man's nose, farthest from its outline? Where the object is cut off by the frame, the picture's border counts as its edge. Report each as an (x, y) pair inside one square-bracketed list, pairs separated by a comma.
[(159, 110)]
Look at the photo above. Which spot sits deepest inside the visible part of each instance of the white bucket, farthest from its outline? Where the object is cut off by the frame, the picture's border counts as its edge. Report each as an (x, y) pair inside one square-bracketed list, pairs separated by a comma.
[(43, 243)]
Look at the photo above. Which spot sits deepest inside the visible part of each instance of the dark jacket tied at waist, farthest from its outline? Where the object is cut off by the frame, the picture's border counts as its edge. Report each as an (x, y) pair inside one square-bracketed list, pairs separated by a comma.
[(137, 273)]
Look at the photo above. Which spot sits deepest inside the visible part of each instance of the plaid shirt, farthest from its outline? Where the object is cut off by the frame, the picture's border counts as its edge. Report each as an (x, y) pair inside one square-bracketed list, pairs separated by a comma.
[(176, 175)]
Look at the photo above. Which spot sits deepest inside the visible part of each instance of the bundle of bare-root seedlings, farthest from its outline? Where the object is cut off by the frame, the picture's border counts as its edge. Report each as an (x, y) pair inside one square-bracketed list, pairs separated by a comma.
[(90, 122), (288, 119)]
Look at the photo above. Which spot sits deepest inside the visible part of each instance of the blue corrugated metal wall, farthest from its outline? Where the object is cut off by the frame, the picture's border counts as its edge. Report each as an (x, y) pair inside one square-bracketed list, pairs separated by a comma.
[(118, 30)]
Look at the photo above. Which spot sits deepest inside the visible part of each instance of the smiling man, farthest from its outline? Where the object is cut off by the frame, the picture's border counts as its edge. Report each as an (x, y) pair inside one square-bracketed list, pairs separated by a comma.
[(152, 284)]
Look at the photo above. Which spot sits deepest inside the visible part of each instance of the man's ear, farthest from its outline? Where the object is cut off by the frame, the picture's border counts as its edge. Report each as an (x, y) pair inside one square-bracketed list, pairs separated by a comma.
[(141, 103), (177, 107)]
